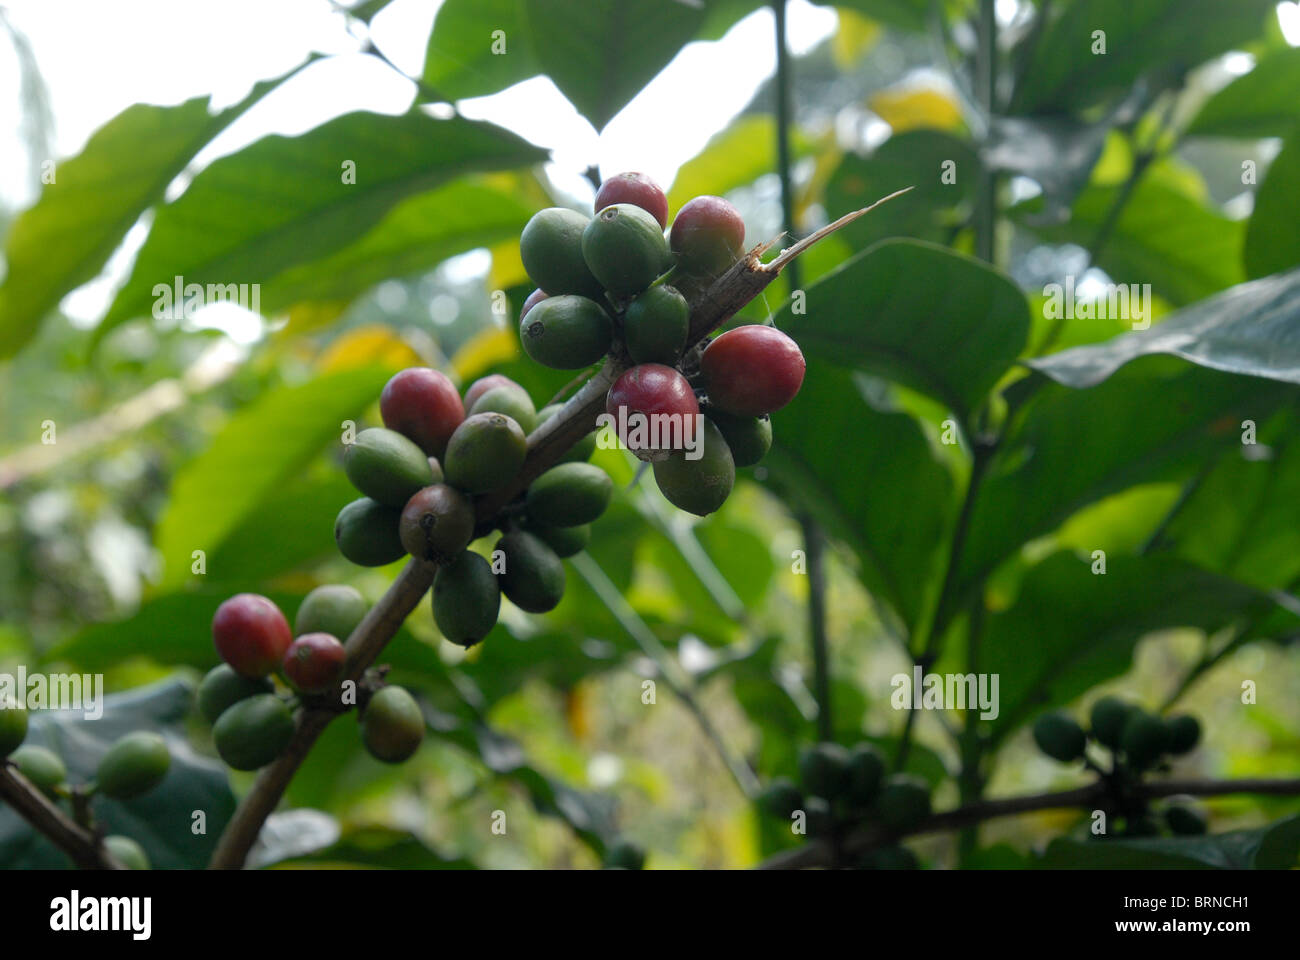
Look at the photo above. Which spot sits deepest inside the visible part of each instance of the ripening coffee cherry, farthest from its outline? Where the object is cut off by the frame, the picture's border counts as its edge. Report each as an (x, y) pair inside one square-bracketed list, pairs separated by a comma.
[(127, 852), (223, 687), (386, 466), (780, 798), (636, 189), (1185, 821), (424, 406), (366, 533), (580, 451), (314, 662), (865, 775), (392, 728), (702, 485), (483, 384), (251, 634), (654, 410), (532, 575), (466, 599), (485, 452), (1184, 732), (135, 764), (1107, 719), (511, 400), (708, 236), (334, 608), (42, 767), (624, 856), (748, 438), (253, 732), (904, 802), (565, 541), (532, 300), (1059, 737), (625, 249), (1144, 739), (566, 332), (551, 250), (437, 524), (752, 370), (568, 495), (824, 769), (13, 725), (655, 326)]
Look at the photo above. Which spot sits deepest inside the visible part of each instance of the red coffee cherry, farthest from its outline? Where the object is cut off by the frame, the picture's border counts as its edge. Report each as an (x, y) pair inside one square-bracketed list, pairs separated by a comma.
[(534, 298), (314, 662), (634, 188), (251, 634), (708, 235), (423, 405), (752, 370), (483, 384), (657, 393)]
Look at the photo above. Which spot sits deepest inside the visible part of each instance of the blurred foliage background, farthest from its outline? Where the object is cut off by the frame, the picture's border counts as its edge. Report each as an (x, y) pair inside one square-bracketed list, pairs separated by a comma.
[(1168, 160)]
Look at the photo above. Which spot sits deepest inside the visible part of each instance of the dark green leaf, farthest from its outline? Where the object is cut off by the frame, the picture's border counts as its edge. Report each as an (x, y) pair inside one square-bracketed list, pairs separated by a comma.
[(1273, 233), (1273, 847), (1262, 103)]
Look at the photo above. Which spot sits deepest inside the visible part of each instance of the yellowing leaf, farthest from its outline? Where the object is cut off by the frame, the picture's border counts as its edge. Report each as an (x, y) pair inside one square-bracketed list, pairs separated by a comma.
[(507, 266), (373, 345), (485, 350), (856, 35), (916, 108), (309, 316), (737, 156)]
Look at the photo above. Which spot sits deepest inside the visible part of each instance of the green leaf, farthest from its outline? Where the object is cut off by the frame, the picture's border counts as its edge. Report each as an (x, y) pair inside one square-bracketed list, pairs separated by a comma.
[(1071, 629), (160, 820), (931, 319), (870, 478), (284, 201), (1272, 847), (259, 449), (67, 236), (461, 61), (1067, 448), (734, 157), (1272, 237), (1160, 39), (1261, 103), (1249, 330)]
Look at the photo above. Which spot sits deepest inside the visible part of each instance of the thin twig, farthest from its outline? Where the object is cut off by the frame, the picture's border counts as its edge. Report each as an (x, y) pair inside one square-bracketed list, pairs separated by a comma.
[(79, 843)]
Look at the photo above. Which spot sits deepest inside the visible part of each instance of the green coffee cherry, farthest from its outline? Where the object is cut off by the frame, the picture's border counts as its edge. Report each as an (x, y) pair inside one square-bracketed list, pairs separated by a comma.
[(624, 856), (866, 772), (655, 326), (392, 727), (366, 533), (698, 486), (135, 764), (904, 802), (42, 767), (893, 857), (436, 469), (253, 732), (437, 524), (466, 599), (748, 438), (1109, 714), (512, 400), (484, 453), (566, 333), (13, 726), (1185, 821), (568, 495), (127, 852), (1145, 738), (625, 249), (1059, 737), (565, 541), (334, 608), (780, 798), (532, 575), (551, 250), (1184, 732), (386, 466), (222, 688), (824, 769), (580, 451)]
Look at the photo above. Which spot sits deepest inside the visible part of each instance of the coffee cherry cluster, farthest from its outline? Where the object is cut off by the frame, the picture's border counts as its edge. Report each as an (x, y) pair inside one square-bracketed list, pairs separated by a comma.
[(134, 765), (604, 286), (1138, 740), (252, 721), (841, 787)]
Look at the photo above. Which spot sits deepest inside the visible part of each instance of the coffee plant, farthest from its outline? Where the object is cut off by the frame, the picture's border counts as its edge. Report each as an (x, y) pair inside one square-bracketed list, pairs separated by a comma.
[(913, 484)]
